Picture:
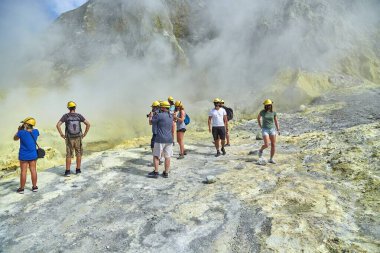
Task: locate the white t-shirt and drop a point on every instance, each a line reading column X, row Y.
column 217, row 117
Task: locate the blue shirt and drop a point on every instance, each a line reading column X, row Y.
column 28, row 149
column 163, row 123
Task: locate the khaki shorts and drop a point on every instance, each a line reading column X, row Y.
column 163, row 149
column 74, row 144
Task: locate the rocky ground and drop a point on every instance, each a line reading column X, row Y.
column 323, row 195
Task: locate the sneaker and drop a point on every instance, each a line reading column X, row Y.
column 34, row 189
column 271, row 161
column 153, row 174
column 260, row 153
column 223, row 151
column 77, row 171
column 180, row 157
column 217, row 154
column 165, row 175
column 20, row 190
column 67, row 173
column 185, row 152
column 227, row 145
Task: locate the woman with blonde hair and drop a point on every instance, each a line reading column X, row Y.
column 179, row 118
column 27, row 152
column 269, row 122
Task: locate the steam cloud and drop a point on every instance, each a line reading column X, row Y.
column 231, row 49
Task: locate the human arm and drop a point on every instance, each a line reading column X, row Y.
column 173, row 130
column 60, row 130
column 259, row 120
column 182, row 118
column 209, row 123
column 277, row 125
column 87, row 128
column 15, row 137
column 225, row 119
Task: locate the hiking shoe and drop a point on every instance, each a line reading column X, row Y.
column 180, row 157
column 271, row 161
column 223, row 151
column 185, row 152
column 227, row 145
column 77, row 171
column 34, row 189
column 260, row 153
column 153, row 174
column 165, row 175
column 217, row 154
column 20, row 190
column 67, row 173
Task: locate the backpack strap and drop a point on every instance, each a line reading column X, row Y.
column 34, row 139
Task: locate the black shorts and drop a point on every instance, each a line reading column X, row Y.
column 181, row 130
column 152, row 141
column 219, row 133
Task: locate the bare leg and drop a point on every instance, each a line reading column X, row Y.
column 23, row 167
column 217, row 144
column 68, row 163
column 272, row 145
column 180, row 141
column 79, row 161
column 33, row 172
column 156, row 162
column 228, row 138
column 223, row 143
column 266, row 142
column 167, row 164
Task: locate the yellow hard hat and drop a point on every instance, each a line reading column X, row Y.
column 71, row 104
column 165, row 104
column 155, row 103
column 222, row 101
column 170, row 98
column 268, row 102
column 217, row 100
column 178, row 103
column 29, row 120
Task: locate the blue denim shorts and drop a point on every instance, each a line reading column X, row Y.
column 266, row 131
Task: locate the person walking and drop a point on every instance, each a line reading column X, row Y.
column 218, row 125
column 27, row 153
column 73, row 136
column 269, row 121
column 179, row 118
column 163, row 145
column 155, row 110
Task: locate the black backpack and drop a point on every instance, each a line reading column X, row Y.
column 230, row 113
column 73, row 126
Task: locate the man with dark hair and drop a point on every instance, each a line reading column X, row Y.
column 73, row 136
column 218, row 120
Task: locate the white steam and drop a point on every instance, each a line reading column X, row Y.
column 115, row 57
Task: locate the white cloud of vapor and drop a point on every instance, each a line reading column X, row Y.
column 121, row 55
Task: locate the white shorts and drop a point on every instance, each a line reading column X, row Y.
column 163, row 149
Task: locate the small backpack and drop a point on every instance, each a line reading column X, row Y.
column 187, row 119
column 73, row 126
column 230, row 113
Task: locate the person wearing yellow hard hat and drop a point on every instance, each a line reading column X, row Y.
column 218, row 125
column 163, row 144
column 230, row 114
column 155, row 110
column 267, row 120
column 171, row 102
column 27, row 153
column 73, row 136
column 179, row 118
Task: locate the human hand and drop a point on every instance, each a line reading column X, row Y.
column 63, row 136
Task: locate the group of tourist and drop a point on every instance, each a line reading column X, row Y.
column 166, row 118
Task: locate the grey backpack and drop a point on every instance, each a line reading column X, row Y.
column 73, row 126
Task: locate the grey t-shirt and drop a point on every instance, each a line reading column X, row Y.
column 163, row 122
